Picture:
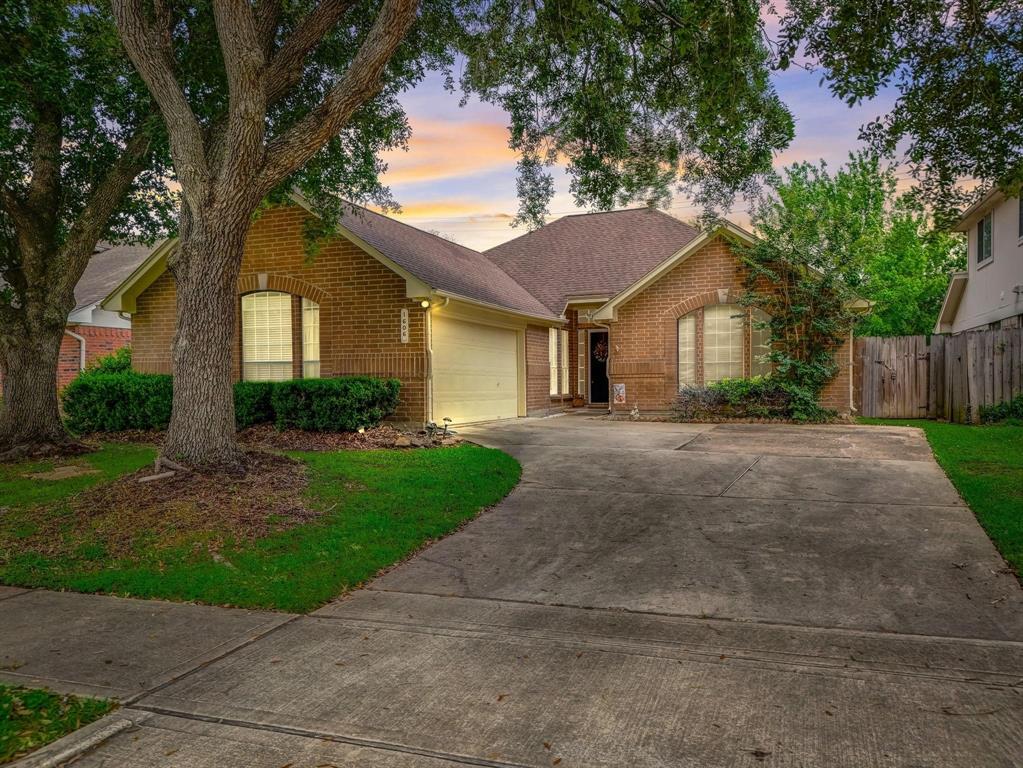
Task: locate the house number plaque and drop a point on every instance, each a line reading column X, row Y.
column 404, row 326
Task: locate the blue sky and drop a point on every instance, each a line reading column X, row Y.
column 458, row 177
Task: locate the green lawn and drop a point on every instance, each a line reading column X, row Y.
column 31, row 718
column 378, row 508
column 985, row 463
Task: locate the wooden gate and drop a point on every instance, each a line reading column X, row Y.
column 940, row 377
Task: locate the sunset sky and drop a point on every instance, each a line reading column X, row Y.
column 458, row 177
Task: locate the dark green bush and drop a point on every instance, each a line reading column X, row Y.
column 118, row 361
column 1013, row 409
column 111, row 402
column 334, row 405
column 757, row 398
column 252, row 403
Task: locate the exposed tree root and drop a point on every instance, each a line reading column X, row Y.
column 44, row 449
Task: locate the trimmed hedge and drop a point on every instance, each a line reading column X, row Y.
column 334, row 405
column 761, row 397
column 96, row 401
column 111, row 402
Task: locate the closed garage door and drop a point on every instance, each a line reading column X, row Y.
column 475, row 371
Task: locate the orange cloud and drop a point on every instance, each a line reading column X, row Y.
column 444, row 150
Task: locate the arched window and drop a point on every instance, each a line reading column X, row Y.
column 723, row 328
column 310, row 339
column 725, row 346
column 266, row 336
column 760, row 344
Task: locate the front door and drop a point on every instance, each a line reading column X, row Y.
column 598, row 366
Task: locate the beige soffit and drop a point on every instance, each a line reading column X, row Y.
column 726, row 229
column 970, row 216
column 123, row 297
column 950, row 306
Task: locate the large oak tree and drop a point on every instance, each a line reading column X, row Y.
column 259, row 96
column 79, row 161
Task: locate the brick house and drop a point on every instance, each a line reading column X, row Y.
column 627, row 302
column 92, row 331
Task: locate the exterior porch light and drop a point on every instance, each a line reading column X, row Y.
column 425, row 303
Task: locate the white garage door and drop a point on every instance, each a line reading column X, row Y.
column 475, row 371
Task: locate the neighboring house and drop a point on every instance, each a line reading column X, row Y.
column 92, row 331
column 589, row 305
column 990, row 293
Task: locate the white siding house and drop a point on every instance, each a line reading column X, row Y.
column 989, row 294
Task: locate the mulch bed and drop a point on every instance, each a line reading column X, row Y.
column 205, row 509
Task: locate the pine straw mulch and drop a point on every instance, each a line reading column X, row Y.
column 203, row 510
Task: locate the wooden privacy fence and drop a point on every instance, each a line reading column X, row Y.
column 938, row 377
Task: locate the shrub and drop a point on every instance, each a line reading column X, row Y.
column 252, row 403
column 334, row 405
column 118, row 361
column 757, row 398
column 110, row 402
column 1012, row 410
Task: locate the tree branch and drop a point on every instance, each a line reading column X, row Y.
column 44, row 187
column 286, row 66
column 290, row 151
column 148, row 43
column 244, row 63
column 268, row 14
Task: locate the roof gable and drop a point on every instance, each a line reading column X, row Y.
column 592, row 254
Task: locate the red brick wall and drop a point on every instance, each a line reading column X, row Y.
column 360, row 302
column 644, row 337
column 538, row 371
column 99, row 342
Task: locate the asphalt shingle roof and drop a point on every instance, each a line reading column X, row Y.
column 107, row 269
column 591, row 254
column 442, row 264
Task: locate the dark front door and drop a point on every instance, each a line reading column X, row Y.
column 598, row 366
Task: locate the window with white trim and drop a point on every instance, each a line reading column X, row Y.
column 563, row 360
column 552, row 358
column 266, row 336
column 760, row 343
column 310, row 339
column 723, row 328
column 687, row 350
column 984, row 249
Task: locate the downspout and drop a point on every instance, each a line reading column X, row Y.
column 81, row 348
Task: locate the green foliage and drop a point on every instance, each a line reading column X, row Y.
column 635, row 97
column 955, row 68
column 761, row 397
column 113, row 402
column 31, row 718
column 118, row 361
column 816, row 231
column 252, row 403
column 334, row 405
column 1011, row 410
column 378, row 508
column 97, row 401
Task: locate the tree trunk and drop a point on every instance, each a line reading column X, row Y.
column 30, row 423
column 205, row 268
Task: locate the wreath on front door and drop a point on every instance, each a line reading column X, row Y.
column 600, row 351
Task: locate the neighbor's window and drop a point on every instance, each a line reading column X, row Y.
column 760, row 344
column 310, row 339
column 687, row 350
column 984, row 252
column 552, row 358
column 723, row 326
column 266, row 336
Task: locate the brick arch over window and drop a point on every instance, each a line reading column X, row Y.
column 283, row 284
column 719, row 296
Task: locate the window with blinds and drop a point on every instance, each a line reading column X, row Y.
column 563, row 359
column 722, row 342
column 552, row 358
column 760, row 344
column 687, row 350
column 310, row 339
column 266, row 336
column 581, row 347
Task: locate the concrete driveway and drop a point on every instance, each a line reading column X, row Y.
column 650, row 595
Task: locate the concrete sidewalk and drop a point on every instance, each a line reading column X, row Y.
column 651, row 595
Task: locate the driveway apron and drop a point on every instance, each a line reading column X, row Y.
column 650, row 595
